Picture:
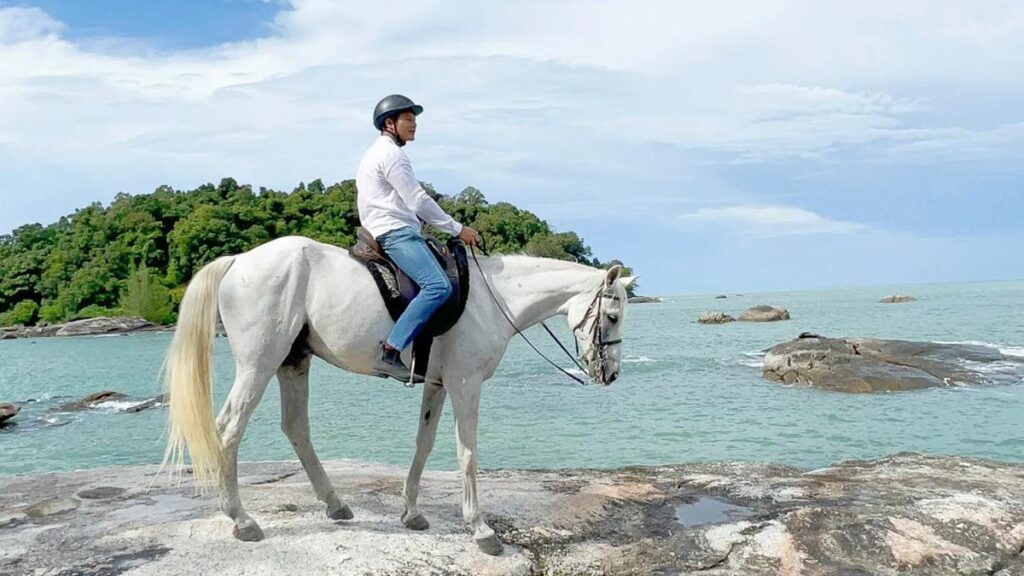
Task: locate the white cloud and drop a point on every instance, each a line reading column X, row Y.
column 522, row 98
column 770, row 221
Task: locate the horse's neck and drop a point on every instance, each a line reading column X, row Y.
column 535, row 289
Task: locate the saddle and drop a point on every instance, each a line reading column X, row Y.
column 398, row 290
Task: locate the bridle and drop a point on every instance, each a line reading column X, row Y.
column 598, row 344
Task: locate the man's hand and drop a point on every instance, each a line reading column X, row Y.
column 469, row 236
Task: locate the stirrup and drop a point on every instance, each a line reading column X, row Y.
column 412, row 375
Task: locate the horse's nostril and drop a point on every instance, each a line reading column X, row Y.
column 614, row 376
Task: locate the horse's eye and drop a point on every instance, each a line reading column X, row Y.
column 613, row 318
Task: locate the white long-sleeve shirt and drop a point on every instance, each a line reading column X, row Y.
column 390, row 197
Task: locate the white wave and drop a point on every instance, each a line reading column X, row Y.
column 1013, row 351
column 752, row 359
column 117, row 405
column 1005, row 349
column 637, row 360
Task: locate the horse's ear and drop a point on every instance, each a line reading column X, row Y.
column 613, row 274
column 627, row 281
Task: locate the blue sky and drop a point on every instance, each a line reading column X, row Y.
column 714, row 146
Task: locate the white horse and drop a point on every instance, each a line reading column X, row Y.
column 293, row 297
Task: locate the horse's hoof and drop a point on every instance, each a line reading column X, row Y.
column 248, row 533
column 416, row 522
column 490, row 545
column 340, row 512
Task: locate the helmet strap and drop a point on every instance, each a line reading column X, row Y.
column 393, row 133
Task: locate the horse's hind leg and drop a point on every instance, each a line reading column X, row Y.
column 294, row 379
column 430, row 413
column 245, row 395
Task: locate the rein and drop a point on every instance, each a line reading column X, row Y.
column 518, row 331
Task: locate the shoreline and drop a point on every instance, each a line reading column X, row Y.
column 99, row 326
column 899, row 514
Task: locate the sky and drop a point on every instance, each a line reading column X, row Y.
column 713, row 146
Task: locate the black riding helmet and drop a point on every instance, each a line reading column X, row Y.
column 393, row 104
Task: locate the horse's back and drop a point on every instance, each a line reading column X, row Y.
column 295, row 281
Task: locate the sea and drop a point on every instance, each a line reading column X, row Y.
column 687, row 393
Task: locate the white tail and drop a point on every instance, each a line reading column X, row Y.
column 188, row 378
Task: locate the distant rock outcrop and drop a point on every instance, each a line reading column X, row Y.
column 644, row 300
column 897, row 299
column 90, row 401
column 764, row 314
column 8, row 411
column 714, row 318
column 86, row 327
column 103, row 325
column 864, row 365
column 721, row 297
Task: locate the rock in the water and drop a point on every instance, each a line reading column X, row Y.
column 905, row 514
column 864, row 365
column 897, row 299
column 764, row 314
column 8, row 411
column 714, row 318
column 103, row 325
column 8, row 335
column 721, row 297
column 644, row 300
column 90, row 401
column 156, row 401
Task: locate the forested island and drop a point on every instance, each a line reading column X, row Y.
column 135, row 256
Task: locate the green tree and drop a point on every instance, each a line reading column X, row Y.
column 136, row 255
column 144, row 296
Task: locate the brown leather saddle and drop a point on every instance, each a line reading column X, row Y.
column 398, row 290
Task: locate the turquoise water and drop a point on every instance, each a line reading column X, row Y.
column 687, row 393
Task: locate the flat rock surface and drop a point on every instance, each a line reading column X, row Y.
column 905, row 514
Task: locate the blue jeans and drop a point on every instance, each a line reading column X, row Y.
column 410, row 252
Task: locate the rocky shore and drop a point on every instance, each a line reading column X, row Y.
column 86, row 327
column 904, row 514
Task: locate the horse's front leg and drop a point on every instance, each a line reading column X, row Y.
column 430, row 413
column 466, row 404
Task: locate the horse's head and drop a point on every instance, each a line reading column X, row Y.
column 596, row 318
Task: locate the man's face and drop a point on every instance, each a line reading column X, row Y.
column 405, row 126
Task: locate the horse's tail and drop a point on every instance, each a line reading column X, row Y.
column 188, row 378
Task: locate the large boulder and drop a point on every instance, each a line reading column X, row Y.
column 8, row 411
column 897, row 299
column 103, row 325
column 866, row 365
column 714, row 318
column 90, row 401
column 764, row 314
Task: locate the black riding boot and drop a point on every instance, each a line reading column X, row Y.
column 391, row 365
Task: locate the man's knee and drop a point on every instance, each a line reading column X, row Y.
column 440, row 289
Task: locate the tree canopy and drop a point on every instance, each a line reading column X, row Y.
column 136, row 255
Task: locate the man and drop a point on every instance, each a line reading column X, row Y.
column 391, row 204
